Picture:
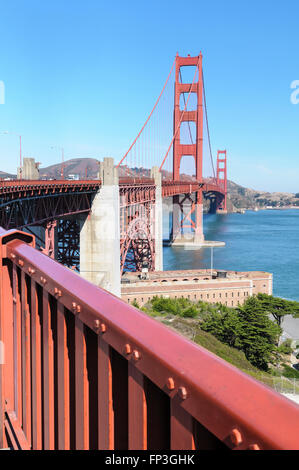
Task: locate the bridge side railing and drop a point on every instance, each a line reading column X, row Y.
column 84, row 370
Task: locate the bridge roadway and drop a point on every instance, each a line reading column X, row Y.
column 26, row 202
column 16, row 197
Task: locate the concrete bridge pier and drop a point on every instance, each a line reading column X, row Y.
column 29, row 170
column 158, row 219
column 183, row 210
column 100, row 233
column 198, row 233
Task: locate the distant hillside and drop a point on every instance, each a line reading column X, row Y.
column 83, row 167
column 4, row 175
column 88, row 168
column 246, row 198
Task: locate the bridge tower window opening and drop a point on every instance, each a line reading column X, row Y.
column 192, row 102
column 187, row 167
column 187, row 74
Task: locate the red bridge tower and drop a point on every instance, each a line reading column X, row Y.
column 181, row 218
column 222, row 178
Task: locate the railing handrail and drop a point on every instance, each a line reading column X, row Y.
column 216, row 394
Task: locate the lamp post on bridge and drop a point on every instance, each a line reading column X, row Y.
column 20, row 139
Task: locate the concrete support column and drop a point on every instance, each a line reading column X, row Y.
column 29, row 170
column 176, row 219
column 158, row 221
column 198, row 235
column 99, row 234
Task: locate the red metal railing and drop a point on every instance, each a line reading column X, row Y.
column 83, row 370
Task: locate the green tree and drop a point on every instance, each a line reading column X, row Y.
column 278, row 307
column 247, row 328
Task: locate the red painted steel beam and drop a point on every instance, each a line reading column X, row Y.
column 238, row 410
column 169, row 187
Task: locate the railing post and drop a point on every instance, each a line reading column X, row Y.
column 8, row 347
column 5, row 301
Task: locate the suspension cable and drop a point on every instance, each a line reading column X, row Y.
column 140, row 132
column 207, row 123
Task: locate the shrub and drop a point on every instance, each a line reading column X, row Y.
column 190, row 312
column 285, row 347
column 290, row 372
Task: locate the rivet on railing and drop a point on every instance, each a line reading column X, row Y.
column 31, row 270
column 57, row 292
column 103, row 328
column 254, row 447
column 183, row 393
column 74, row 306
column 128, row 349
column 13, row 256
column 236, row 437
column 43, row 280
column 97, row 324
column 170, row 383
column 136, row 355
column 78, row 308
column 21, row 262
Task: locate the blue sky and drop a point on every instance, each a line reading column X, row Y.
column 84, row 75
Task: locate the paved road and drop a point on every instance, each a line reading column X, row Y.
column 290, row 327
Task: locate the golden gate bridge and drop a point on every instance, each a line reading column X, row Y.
column 84, row 370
